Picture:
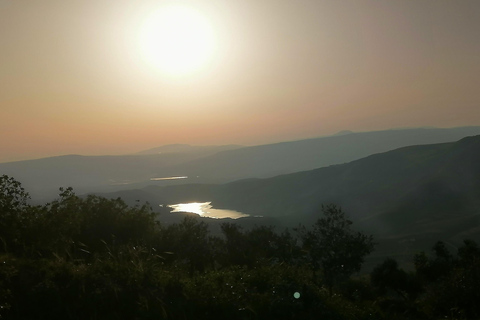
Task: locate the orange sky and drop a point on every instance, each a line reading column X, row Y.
column 72, row 79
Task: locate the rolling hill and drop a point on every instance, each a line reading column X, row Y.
column 294, row 156
column 408, row 198
column 212, row 164
column 423, row 190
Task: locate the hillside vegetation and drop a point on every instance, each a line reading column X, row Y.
column 98, row 258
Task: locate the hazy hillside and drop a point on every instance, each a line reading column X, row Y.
column 43, row 177
column 212, row 164
column 294, row 156
column 420, row 189
column 198, row 151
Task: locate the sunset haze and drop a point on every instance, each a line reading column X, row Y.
column 73, row 78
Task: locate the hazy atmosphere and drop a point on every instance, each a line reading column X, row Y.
column 240, row 159
column 94, row 77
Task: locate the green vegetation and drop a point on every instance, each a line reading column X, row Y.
column 96, row 258
column 334, row 248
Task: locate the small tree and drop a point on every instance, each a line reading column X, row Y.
column 13, row 212
column 236, row 245
column 334, row 248
column 13, row 196
column 451, row 282
column 189, row 242
column 388, row 276
column 431, row 270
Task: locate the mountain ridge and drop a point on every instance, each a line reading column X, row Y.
column 413, row 183
column 43, row 177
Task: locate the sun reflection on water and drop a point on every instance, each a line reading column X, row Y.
column 205, row 209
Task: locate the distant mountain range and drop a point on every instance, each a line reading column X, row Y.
column 408, row 187
column 408, row 198
column 213, row 164
column 294, row 156
column 396, row 191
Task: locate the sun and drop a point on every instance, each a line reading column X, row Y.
column 177, row 40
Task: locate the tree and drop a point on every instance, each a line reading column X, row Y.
column 13, row 207
column 236, row 245
column 74, row 225
column 187, row 243
column 13, row 196
column 333, row 247
column 388, row 276
column 469, row 253
column 451, row 282
column 431, row 270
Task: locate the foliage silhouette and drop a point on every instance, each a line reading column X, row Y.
column 333, row 247
column 97, row 258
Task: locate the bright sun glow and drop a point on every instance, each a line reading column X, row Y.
column 178, row 40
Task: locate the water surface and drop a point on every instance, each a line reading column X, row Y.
column 205, row 209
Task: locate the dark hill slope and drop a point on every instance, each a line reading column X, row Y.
column 294, row 156
column 412, row 189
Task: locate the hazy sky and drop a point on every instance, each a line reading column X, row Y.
column 74, row 77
